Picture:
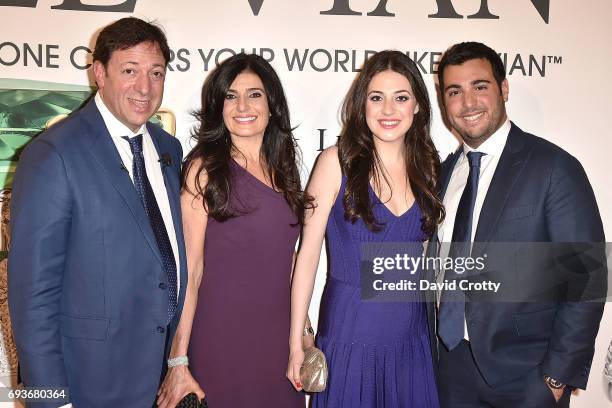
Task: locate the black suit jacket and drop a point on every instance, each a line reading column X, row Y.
column 539, row 194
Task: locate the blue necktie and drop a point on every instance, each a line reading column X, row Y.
column 145, row 192
column 452, row 305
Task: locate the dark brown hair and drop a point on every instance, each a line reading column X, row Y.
column 357, row 154
column 127, row 33
column 214, row 148
column 466, row 51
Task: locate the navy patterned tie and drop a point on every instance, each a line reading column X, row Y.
column 452, row 305
column 145, row 192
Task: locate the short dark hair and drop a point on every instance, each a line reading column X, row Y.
column 466, row 51
column 127, row 33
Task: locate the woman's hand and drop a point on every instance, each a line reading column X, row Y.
column 178, row 383
column 296, row 358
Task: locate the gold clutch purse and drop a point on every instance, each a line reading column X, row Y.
column 313, row 374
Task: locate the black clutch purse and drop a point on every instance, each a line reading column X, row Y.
column 191, row 401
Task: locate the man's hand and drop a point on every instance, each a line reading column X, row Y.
column 557, row 392
column 178, row 383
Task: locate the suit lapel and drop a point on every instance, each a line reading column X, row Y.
column 172, row 190
column 447, row 169
column 171, row 185
column 445, row 174
column 509, row 168
column 106, row 156
column 433, row 248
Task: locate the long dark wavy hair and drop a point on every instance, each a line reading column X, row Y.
column 214, row 148
column 358, row 157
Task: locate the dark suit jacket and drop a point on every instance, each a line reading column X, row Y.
column 539, row 194
column 87, row 289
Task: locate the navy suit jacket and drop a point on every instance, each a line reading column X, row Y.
column 87, row 290
column 539, row 193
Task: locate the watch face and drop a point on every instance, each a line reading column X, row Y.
column 552, row 383
column 555, row 384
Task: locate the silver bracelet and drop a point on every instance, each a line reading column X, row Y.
column 178, row 361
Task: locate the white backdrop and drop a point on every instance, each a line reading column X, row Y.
column 558, row 65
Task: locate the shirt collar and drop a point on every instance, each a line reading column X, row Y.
column 494, row 145
column 116, row 129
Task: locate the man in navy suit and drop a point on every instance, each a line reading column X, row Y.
column 97, row 269
column 506, row 186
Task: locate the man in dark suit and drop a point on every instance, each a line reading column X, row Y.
column 502, row 185
column 97, row 269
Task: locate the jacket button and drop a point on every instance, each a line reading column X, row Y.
column 161, row 329
column 162, row 286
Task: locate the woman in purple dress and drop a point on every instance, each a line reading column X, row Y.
column 242, row 207
column 378, row 185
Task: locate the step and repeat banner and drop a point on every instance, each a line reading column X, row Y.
column 557, row 56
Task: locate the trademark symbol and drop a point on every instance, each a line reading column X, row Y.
column 555, row 60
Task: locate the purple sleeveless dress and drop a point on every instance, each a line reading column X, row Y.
column 240, row 337
column 378, row 353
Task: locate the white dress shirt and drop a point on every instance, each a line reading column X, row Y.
column 492, row 149
column 154, row 172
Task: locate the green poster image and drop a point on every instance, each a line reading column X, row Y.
column 26, row 109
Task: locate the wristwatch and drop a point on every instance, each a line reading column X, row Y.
column 552, row 383
column 308, row 331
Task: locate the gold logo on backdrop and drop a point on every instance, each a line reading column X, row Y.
column 166, row 119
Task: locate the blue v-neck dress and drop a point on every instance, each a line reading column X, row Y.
column 378, row 352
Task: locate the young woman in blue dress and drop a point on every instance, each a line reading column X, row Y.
column 377, row 185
